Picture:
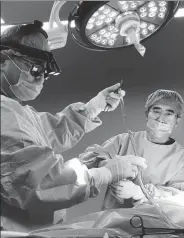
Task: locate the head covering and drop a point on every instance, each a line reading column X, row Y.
column 166, row 97
column 31, row 35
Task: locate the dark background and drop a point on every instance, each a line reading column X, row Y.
column 85, row 73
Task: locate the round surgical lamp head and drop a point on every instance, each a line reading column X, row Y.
column 111, row 25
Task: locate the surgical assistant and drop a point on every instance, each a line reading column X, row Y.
column 36, row 183
column 164, row 176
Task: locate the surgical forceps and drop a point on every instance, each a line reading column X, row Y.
column 137, row 222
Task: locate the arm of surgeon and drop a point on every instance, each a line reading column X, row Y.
column 33, row 174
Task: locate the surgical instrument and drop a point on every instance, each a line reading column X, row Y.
column 137, row 222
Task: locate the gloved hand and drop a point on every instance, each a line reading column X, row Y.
column 109, row 96
column 112, row 96
column 123, row 167
column 119, row 168
column 127, row 189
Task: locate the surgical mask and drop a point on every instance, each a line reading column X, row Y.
column 25, row 90
column 159, row 129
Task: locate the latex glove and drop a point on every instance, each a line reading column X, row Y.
column 119, row 168
column 126, row 189
column 109, row 96
column 112, row 96
column 123, row 167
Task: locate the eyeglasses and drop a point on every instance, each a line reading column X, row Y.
column 45, row 59
column 37, row 68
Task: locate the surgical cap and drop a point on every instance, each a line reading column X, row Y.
column 31, row 35
column 166, row 97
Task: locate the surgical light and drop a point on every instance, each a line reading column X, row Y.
column 91, row 19
column 113, row 17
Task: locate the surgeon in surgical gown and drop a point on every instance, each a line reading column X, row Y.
column 36, row 184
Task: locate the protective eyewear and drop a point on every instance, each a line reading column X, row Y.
column 37, row 68
column 44, row 60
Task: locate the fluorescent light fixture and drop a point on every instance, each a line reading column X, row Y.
column 45, row 25
column 2, row 21
column 179, row 13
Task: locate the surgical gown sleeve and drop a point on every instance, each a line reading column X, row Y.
column 66, row 128
column 97, row 156
column 33, row 177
